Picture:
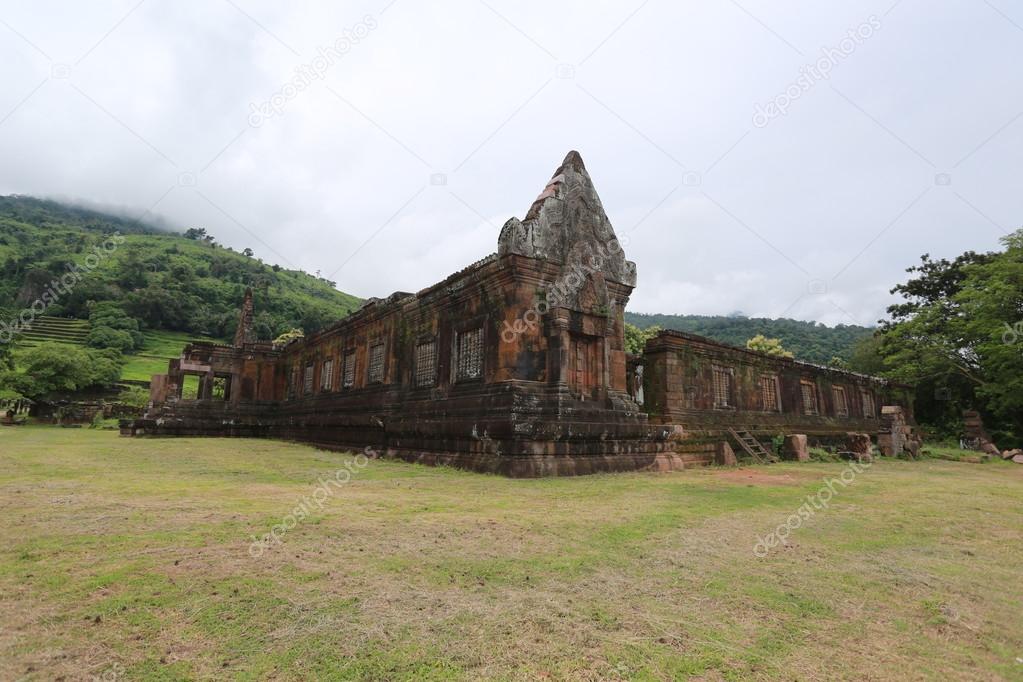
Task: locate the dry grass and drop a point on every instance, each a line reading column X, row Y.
column 131, row 558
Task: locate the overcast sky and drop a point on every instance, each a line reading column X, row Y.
column 398, row 137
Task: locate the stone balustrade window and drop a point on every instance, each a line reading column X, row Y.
column 426, row 363
column 307, row 380
column 722, row 386
column 375, row 373
column 470, row 354
column 327, row 375
column 808, row 390
column 869, row 408
column 348, row 370
column 769, row 393
column 841, row 404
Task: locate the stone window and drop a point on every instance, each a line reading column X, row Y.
column 327, row 375
column 470, row 354
column 808, row 389
column 307, row 379
column 221, row 387
column 375, row 372
column 190, row 384
column 722, row 386
column 296, row 379
column 869, row 410
column 841, row 404
column 690, row 397
column 426, row 363
column 769, row 393
column 348, row 370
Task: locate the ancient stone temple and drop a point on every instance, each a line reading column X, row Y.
column 514, row 365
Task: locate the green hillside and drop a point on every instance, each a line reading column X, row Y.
column 809, row 341
column 158, row 346
column 165, row 280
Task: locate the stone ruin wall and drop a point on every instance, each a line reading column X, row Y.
column 682, row 386
column 554, row 393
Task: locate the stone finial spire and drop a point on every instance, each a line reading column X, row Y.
column 567, row 225
column 245, row 332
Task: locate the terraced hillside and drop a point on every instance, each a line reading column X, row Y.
column 159, row 346
column 60, row 329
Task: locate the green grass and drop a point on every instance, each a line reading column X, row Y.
column 955, row 454
column 131, row 558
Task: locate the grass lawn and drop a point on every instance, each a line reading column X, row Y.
column 130, row 558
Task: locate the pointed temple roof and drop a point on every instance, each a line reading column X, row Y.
column 567, row 224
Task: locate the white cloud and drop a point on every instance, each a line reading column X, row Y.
column 473, row 91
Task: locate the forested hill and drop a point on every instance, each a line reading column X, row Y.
column 164, row 279
column 810, row 341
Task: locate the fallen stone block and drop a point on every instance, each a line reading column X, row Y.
column 990, row 448
column 724, row 455
column 795, row 449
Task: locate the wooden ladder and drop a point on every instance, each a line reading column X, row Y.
column 751, row 446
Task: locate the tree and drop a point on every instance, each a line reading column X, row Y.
column 196, row 233
column 773, row 347
column 111, row 327
column 248, row 253
column 289, row 336
column 636, row 338
column 957, row 337
column 60, row 368
column 135, row 396
column 866, row 356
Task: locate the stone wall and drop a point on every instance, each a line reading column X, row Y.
column 707, row 387
column 514, row 365
column 546, row 394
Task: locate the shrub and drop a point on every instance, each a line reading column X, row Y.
column 106, row 337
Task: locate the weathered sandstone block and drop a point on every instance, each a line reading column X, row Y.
column 794, row 448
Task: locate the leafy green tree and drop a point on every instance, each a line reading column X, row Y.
column 636, row 338
column 289, row 336
column 773, row 347
column 838, row 363
column 51, row 368
column 957, row 336
column 135, row 396
column 866, row 356
column 111, row 327
column 105, row 337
